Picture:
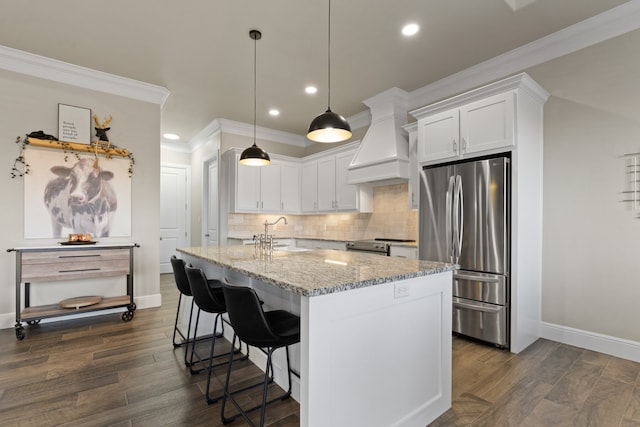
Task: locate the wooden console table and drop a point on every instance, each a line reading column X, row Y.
column 60, row 263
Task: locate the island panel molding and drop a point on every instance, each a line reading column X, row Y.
column 348, row 302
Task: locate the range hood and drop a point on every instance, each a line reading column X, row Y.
column 383, row 154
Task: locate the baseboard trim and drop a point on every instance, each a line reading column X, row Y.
column 8, row 320
column 618, row 347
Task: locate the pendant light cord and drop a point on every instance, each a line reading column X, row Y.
column 329, row 59
column 255, row 86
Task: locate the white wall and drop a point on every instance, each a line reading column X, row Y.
column 29, row 104
column 591, row 240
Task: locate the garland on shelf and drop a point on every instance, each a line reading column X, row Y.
column 106, row 148
column 20, row 166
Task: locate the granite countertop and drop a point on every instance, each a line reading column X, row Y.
column 317, row 272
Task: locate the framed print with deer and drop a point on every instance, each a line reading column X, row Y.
column 74, row 124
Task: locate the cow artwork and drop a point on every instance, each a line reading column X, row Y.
column 81, row 198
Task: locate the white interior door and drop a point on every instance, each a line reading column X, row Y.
column 211, row 215
column 174, row 212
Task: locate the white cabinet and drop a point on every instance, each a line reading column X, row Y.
column 247, row 192
column 289, row 188
column 414, row 167
column 310, row 186
column 476, row 127
column 346, row 194
column 314, row 184
column 327, row 184
column 321, row 244
column 273, row 188
column 332, row 191
column 410, row 252
column 258, row 188
column 269, row 187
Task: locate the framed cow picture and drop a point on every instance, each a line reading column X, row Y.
column 77, row 196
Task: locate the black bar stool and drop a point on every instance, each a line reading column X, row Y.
column 268, row 331
column 182, row 283
column 209, row 298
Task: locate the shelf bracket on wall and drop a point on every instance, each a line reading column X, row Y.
column 632, row 173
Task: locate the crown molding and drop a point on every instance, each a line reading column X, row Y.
column 612, row 23
column 75, row 75
column 246, row 129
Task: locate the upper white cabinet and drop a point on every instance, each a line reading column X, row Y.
column 346, row 194
column 273, row 188
column 329, row 184
column 414, row 168
column 310, row 186
column 289, row 187
column 480, row 126
column 314, row 184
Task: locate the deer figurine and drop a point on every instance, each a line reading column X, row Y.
column 101, row 129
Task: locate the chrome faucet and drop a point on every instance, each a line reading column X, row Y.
column 267, row 224
column 264, row 242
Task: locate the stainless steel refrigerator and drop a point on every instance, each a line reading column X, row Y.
column 464, row 219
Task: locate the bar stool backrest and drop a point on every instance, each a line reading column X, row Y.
column 247, row 317
column 207, row 299
column 180, row 276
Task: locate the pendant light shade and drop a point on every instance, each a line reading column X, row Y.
column 254, row 155
column 329, row 126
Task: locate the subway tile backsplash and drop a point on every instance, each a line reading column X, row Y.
column 391, row 218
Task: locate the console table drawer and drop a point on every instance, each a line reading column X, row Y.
column 74, row 264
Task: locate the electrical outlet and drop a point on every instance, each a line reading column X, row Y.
column 401, row 290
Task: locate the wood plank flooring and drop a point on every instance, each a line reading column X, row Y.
column 105, row 372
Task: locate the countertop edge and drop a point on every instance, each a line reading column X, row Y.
column 340, row 287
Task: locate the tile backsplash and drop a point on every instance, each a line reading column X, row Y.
column 391, row 218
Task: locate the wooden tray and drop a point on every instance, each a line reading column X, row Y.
column 79, row 302
column 90, row 242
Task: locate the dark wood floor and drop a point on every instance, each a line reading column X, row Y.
column 104, row 372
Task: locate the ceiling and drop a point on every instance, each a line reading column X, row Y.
column 201, row 50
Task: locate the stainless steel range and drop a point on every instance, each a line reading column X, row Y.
column 379, row 245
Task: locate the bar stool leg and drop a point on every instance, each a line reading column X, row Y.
column 175, row 325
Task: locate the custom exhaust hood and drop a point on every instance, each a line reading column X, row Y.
column 383, row 154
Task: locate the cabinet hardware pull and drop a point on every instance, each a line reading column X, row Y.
column 455, row 146
column 78, row 270
column 78, row 256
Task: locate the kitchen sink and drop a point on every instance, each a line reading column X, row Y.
column 290, row 249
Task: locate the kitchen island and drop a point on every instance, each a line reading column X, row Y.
column 375, row 345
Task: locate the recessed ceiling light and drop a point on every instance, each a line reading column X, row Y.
column 274, row 112
column 311, row 90
column 171, row 136
column 410, row 29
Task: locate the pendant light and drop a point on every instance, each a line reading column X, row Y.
column 329, row 126
column 254, row 155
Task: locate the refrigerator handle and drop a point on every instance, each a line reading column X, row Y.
column 458, row 213
column 449, row 219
